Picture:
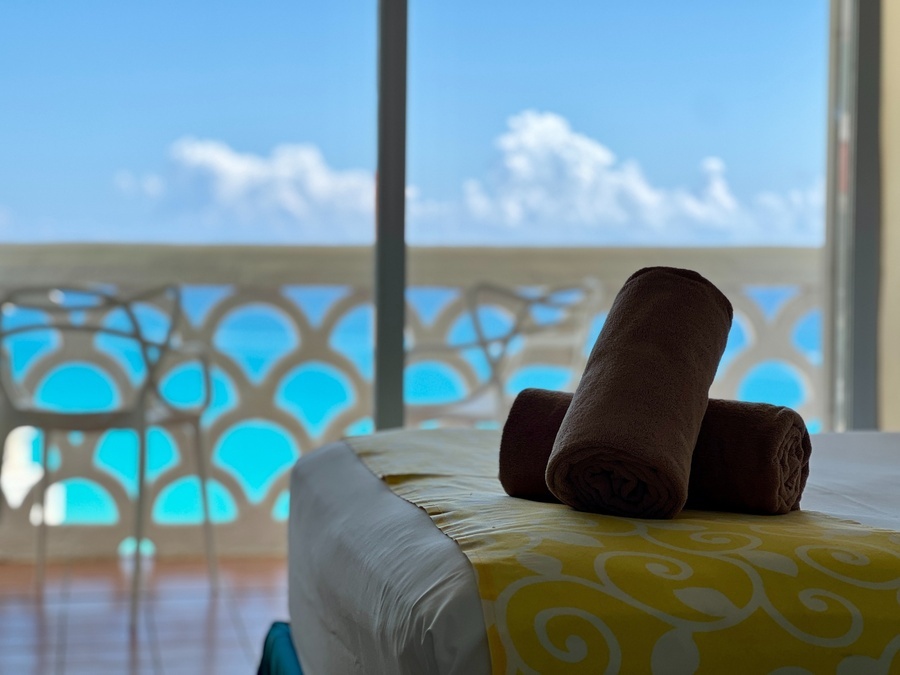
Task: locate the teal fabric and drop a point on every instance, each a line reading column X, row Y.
column 279, row 656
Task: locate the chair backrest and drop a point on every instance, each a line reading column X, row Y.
column 554, row 327
column 78, row 349
column 547, row 326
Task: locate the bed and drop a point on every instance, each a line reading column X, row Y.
column 406, row 557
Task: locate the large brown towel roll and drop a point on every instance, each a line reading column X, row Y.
column 625, row 444
column 749, row 457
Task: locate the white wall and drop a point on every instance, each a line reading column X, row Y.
column 889, row 338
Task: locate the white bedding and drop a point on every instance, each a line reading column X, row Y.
column 856, row 475
column 375, row 587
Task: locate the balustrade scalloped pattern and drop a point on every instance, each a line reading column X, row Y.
column 292, row 370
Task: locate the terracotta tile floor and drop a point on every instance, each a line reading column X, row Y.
column 80, row 625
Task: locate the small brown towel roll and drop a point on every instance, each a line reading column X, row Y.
column 749, row 457
column 527, row 441
column 625, row 445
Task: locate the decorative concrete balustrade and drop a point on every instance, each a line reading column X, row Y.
column 289, row 334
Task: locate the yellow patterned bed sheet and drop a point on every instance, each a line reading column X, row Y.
column 570, row 592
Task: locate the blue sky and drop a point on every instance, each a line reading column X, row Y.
column 689, row 122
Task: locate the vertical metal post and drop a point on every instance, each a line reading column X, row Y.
column 390, row 215
column 854, row 214
column 865, row 263
column 834, row 282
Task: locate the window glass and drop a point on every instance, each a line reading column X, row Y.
column 567, row 145
column 241, row 136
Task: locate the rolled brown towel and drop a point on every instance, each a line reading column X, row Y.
column 528, row 435
column 749, row 457
column 624, row 447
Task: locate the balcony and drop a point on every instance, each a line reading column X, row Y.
column 290, row 334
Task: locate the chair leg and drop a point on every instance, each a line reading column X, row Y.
column 5, row 430
column 139, row 525
column 42, row 527
column 209, row 535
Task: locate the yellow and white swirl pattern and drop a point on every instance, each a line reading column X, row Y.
column 571, row 592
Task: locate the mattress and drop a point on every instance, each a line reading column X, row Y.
column 855, row 475
column 373, row 585
column 376, row 587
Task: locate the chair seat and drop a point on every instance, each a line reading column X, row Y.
column 76, row 421
column 156, row 414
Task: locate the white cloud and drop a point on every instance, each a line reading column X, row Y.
column 553, row 182
column 153, row 185
column 418, row 207
column 552, row 174
column 551, row 185
column 148, row 185
column 796, row 216
column 212, row 192
column 293, row 185
column 124, row 181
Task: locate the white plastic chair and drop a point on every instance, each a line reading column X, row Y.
column 77, row 316
column 527, row 340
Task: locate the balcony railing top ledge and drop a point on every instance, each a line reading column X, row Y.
column 139, row 264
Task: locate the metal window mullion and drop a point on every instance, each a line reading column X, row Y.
column 390, row 224
column 866, row 222
column 854, row 214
